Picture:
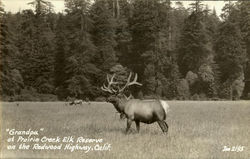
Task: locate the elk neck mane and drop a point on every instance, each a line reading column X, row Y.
column 118, row 103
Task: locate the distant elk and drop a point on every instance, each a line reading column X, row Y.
column 76, row 102
column 79, row 102
column 146, row 111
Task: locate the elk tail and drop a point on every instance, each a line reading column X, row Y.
column 165, row 106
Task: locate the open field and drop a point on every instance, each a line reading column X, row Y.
column 196, row 130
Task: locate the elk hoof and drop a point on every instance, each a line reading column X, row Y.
column 127, row 132
column 122, row 116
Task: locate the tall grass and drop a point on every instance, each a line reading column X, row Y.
column 196, row 130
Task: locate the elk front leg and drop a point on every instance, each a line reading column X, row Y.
column 137, row 126
column 129, row 122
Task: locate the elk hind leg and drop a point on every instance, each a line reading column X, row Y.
column 163, row 126
column 166, row 126
column 137, row 125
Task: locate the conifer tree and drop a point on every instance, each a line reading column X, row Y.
column 11, row 80
column 194, row 47
column 81, row 70
column 103, row 33
column 150, row 56
column 230, row 50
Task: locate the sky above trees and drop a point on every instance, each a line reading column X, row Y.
column 16, row 5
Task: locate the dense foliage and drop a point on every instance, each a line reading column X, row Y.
column 178, row 53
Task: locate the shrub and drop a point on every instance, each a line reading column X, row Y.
column 46, row 88
column 191, row 77
column 248, row 96
column 30, row 94
column 238, row 87
column 100, row 99
column 183, row 89
column 206, row 73
column 27, row 94
column 225, row 91
column 195, row 97
column 47, row 97
column 150, row 97
column 202, row 96
column 232, row 90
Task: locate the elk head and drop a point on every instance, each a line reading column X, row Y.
column 118, row 97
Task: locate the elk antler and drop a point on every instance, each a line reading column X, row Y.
column 110, row 82
column 129, row 97
column 129, row 83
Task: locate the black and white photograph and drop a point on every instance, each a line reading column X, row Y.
column 124, row 79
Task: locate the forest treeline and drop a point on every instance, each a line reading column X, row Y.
column 177, row 52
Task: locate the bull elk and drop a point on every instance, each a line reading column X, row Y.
column 146, row 111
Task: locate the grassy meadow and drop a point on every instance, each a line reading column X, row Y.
column 196, row 130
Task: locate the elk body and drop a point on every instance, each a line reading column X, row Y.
column 76, row 102
column 145, row 111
